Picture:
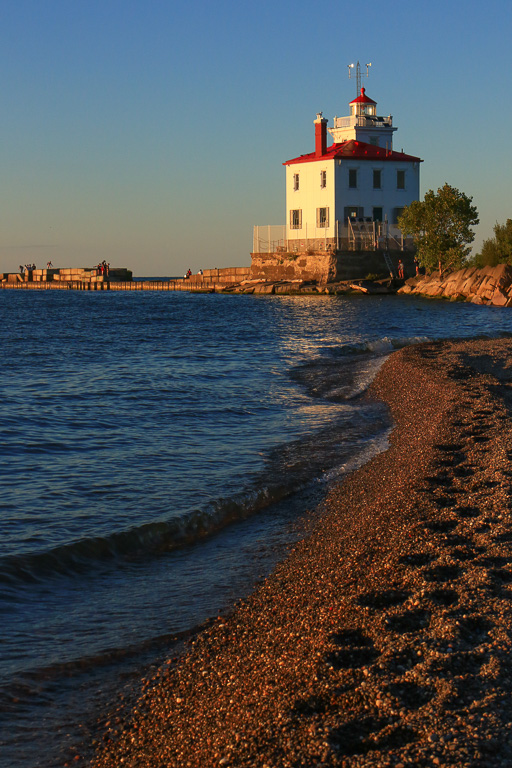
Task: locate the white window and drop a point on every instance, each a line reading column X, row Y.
column 296, row 219
column 295, row 181
column 322, row 217
column 323, row 179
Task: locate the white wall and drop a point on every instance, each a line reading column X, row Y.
column 309, row 197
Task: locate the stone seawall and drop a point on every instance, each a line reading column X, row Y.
column 489, row 285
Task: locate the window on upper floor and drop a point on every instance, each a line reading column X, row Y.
column 352, row 178
column 400, row 179
column 377, row 179
column 295, row 181
column 296, row 219
column 322, row 217
column 374, row 141
column 323, row 179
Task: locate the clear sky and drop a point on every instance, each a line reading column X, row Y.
column 152, row 134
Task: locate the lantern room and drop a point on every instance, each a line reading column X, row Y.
column 363, row 105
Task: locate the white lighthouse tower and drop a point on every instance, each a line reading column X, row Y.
column 363, row 124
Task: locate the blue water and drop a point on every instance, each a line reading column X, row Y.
column 152, row 446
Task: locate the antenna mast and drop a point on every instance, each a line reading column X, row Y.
column 358, row 74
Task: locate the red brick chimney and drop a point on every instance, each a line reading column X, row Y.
column 320, row 135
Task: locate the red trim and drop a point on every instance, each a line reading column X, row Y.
column 363, row 99
column 356, row 150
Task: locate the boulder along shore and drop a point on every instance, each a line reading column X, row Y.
column 384, row 638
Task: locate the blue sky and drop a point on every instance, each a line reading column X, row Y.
column 152, row 134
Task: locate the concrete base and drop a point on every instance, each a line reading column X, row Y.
column 329, row 267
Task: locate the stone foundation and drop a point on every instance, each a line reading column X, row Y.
column 328, row 267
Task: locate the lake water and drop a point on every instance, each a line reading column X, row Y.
column 157, row 450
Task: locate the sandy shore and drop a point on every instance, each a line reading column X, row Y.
column 384, row 638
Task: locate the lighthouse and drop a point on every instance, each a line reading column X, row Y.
column 349, row 195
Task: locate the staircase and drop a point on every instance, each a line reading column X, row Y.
column 389, row 264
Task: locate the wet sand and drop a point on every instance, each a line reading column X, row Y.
column 384, row 638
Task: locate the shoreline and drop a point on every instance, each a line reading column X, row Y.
column 383, row 638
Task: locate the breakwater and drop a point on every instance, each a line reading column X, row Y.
column 120, row 279
column 226, row 280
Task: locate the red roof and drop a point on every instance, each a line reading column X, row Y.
column 363, row 98
column 357, row 150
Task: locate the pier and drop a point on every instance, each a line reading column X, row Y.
column 120, row 279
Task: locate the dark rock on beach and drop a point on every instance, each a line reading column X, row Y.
column 384, row 638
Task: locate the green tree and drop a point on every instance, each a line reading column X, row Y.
column 441, row 228
column 497, row 249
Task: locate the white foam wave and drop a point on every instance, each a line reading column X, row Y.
column 361, row 457
column 387, row 344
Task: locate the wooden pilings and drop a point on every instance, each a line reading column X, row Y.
column 207, row 285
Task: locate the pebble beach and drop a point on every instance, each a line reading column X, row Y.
column 384, row 638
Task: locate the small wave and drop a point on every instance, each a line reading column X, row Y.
column 28, row 682
column 289, row 468
column 386, row 345
column 345, row 372
column 149, row 539
column 380, row 346
column 360, row 458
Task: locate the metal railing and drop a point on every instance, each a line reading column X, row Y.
column 269, row 238
column 363, row 121
column 349, row 235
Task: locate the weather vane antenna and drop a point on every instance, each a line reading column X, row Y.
column 358, row 74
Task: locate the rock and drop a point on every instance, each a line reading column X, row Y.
column 489, row 285
column 267, row 288
column 499, row 299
